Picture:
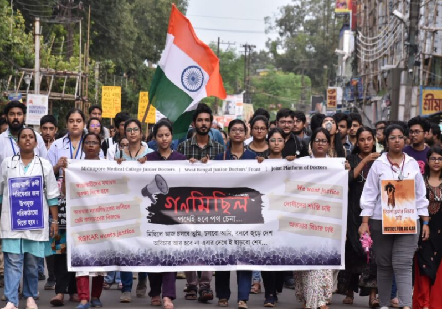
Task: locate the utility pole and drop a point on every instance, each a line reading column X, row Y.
column 215, row 103
column 248, row 47
column 87, row 55
column 37, row 55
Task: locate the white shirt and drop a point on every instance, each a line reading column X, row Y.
column 381, row 170
column 112, row 149
column 12, row 167
column 62, row 148
column 9, row 147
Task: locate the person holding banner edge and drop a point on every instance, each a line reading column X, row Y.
column 91, row 149
column 393, row 252
column 25, row 243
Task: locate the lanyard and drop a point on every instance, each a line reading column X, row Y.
column 78, row 149
column 12, row 146
column 401, row 169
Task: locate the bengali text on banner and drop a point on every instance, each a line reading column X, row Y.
column 223, row 215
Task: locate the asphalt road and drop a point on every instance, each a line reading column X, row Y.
column 110, row 299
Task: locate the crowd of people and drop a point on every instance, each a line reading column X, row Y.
column 399, row 271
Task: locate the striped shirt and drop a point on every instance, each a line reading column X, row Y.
column 191, row 149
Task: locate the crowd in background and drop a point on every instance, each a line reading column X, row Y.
column 393, row 150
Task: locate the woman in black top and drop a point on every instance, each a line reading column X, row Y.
column 357, row 273
column 259, row 129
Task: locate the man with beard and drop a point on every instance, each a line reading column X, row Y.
column 201, row 146
column 294, row 146
column 418, row 127
column 15, row 116
column 356, row 123
column 299, row 125
column 343, row 123
column 48, row 127
column 434, row 136
column 380, row 137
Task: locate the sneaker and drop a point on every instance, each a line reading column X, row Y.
column 42, row 276
column 95, row 302
column 242, row 304
column 141, row 288
column 125, row 297
column 269, row 302
column 50, row 284
column 83, row 306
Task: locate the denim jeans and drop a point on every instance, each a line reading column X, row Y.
column 394, row 289
column 256, row 277
column 17, row 265
column 127, row 281
column 112, row 276
column 243, row 284
column 41, row 265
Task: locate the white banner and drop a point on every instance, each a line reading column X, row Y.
column 224, row 215
column 37, row 107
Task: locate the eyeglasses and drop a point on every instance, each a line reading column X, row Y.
column 129, row 130
column 415, row 132
column 123, row 145
column 259, row 129
column 276, row 140
column 321, row 141
column 236, row 130
column 437, row 159
column 95, row 125
column 91, row 143
column 283, row 122
column 393, row 138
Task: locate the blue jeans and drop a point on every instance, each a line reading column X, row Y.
column 127, row 281
column 17, row 265
column 243, row 284
column 256, row 277
column 112, row 276
column 394, row 289
column 41, row 265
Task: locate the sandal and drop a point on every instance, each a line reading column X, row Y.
column 191, row 293
column 348, row 300
column 255, row 288
column 223, row 302
column 155, row 301
column 373, row 302
column 167, row 303
column 205, row 295
column 107, row 286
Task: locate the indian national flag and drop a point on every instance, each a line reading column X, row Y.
column 188, row 71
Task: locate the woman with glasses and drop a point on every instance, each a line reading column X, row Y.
column 274, row 280
column 428, row 270
column 259, row 129
column 137, row 149
column 393, row 252
column 314, row 287
column 336, row 149
column 91, row 149
column 357, row 273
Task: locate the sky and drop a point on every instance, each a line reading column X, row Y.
column 244, row 20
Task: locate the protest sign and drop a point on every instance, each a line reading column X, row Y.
column 26, row 202
column 224, row 215
column 111, row 101
column 37, row 106
column 398, row 206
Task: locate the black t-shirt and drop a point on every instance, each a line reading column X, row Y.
column 295, row 147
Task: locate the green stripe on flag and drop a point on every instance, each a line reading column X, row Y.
column 168, row 99
column 182, row 125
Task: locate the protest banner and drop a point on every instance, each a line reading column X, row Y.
column 111, row 101
column 224, row 215
column 37, row 106
column 398, row 206
column 143, row 104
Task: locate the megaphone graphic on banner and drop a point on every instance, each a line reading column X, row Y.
column 158, row 185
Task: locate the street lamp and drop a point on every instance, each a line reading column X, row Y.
column 27, row 79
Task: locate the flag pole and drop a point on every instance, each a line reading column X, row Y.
column 146, row 111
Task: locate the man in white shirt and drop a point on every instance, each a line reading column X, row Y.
column 15, row 116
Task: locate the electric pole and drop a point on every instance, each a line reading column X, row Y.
column 248, row 47
column 37, row 55
column 215, row 103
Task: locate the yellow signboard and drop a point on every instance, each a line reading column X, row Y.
column 143, row 103
column 111, row 101
column 331, row 99
column 431, row 100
